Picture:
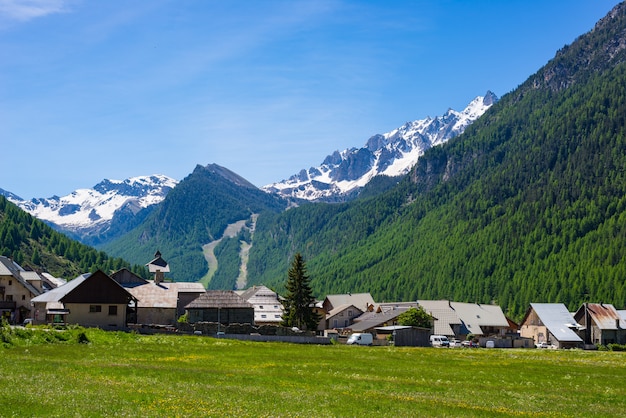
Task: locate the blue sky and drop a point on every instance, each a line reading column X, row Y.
column 114, row 89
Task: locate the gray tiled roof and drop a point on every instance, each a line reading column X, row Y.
column 218, row 299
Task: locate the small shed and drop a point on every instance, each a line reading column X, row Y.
column 405, row 336
column 222, row 306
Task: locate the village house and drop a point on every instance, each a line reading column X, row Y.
column 220, row 306
column 553, row 324
column 16, row 292
column 157, row 302
column 342, row 316
column 90, row 300
column 268, row 309
column 602, row 324
column 334, row 307
column 362, row 301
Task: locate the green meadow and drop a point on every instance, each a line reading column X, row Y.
column 50, row 373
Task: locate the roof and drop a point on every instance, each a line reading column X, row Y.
column 371, row 320
column 218, row 299
column 558, row 319
column 158, row 264
column 98, row 286
column 56, row 281
column 476, row 315
column 342, row 308
column 259, row 293
column 604, row 315
column 360, row 300
column 58, row 293
column 161, row 295
column 126, row 277
column 445, row 316
column 393, row 328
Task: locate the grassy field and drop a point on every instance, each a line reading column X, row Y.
column 118, row 374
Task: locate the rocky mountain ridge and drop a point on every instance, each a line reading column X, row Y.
column 342, row 174
column 87, row 212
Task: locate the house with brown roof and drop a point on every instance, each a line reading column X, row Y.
column 602, row 324
column 90, row 300
column 160, row 303
column 342, row 316
column 221, row 306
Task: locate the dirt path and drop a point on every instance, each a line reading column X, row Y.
column 209, row 253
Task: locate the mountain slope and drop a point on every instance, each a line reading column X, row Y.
column 196, row 212
column 98, row 214
column 342, row 174
column 528, row 204
column 36, row 246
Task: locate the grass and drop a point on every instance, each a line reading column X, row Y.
column 119, row 374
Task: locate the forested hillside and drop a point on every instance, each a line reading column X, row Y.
column 33, row 244
column 194, row 213
column 528, row 205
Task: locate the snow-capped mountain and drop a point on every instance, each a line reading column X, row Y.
column 86, row 212
column 392, row 154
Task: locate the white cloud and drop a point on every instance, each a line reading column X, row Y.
column 24, row 10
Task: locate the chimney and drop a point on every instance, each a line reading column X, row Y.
column 158, row 277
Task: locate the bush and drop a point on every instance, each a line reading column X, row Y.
column 616, row 347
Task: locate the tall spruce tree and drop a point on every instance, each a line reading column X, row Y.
column 299, row 300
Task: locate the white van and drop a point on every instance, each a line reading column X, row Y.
column 439, row 341
column 360, row 339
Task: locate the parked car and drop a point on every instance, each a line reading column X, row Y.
column 364, row 338
column 469, row 343
column 455, row 343
column 439, row 341
column 27, row 321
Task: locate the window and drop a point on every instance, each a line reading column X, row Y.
column 23, row 297
column 350, row 312
column 95, row 308
column 10, row 282
column 112, row 310
column 263, row 316
column 261, row 307
column 9, row 298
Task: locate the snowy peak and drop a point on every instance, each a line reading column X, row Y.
column 342, row 174
column 86, row 211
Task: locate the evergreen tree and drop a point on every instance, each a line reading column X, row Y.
column 299, row 301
